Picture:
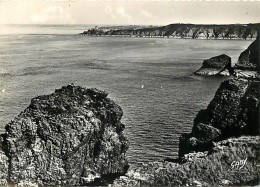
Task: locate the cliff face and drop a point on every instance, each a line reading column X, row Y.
column 218, row 65
column 70, row 137
column 248, row 59
column 237, row 31
column 232, row 112
column 248, row 63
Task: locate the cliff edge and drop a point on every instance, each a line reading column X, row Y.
column 71, row 137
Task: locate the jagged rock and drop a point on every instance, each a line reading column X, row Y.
column 232, row 161
column 70, row 137
column 248, row 59
column 218, row 65
column 248, row 62
column 232, row 112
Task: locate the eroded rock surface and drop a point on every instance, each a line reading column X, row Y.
column 70, row 137
column 248, row 63
column 232, row 112
column 218, row 65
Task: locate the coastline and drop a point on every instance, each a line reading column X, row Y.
column 165, row 37
column 190, row 31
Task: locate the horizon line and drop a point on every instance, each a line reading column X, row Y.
column 107, row 24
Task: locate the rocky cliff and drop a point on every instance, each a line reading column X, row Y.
column 237, row 31
column 248, row 65
column 218, row 65
column 232, row 112
column 71, row 137
column 222, row 149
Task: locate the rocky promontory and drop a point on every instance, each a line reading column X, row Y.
column 232, row 112
column 218, row 65
column 234, row 31
column 71, row 137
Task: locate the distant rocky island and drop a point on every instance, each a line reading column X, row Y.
column 192, row 31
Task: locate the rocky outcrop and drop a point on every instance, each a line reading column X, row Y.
column 222, row 149
column 248, row 59
column 71, row 137
column 237, row 31
column 233, row 112
column 218, row 65
column 248, row 63
column 229, row 162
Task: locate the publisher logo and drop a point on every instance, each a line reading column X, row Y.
column 237, row 165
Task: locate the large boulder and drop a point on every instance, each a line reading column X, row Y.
column 232, row 112
column 70, row 137
column 247, row 65
column 218, row 65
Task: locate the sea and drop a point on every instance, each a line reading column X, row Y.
column 150, row 78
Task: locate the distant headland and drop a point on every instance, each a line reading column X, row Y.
column 179, row 30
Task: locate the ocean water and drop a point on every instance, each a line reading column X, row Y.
column 150, row 78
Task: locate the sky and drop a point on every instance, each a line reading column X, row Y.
column 133, row 12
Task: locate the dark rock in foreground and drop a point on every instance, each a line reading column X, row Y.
column 248, row 63
column 70, row 137
column 218, row 65
column 232, row 112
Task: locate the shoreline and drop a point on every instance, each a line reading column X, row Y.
column 165, row 37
